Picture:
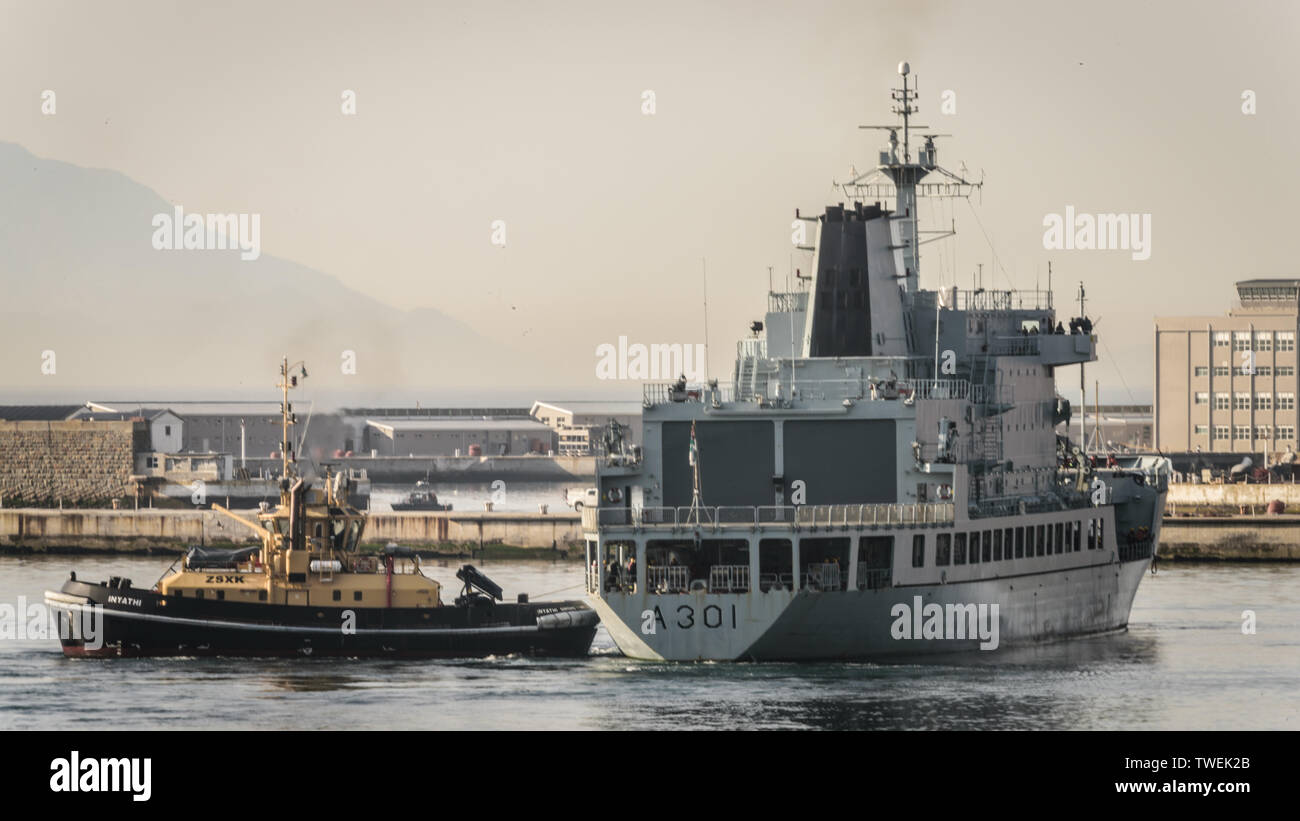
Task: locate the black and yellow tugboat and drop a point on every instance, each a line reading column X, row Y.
column 308, row 590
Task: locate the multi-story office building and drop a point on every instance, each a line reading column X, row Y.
column 1227, row 384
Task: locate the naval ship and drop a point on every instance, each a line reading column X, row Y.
column 882, row 477
column 307, row 589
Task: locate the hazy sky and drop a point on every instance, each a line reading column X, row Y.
column 531, row 113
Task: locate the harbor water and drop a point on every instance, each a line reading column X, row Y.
column 1184, row 663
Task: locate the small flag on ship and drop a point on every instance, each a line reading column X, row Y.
column 695, row 448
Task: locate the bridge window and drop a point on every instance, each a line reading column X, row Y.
column 988, row 545
column 975, row 547
column 775, row 564
column 823, row 563
column 918, row 550
column 875, row 562
column 1020, row 543
column 959, row 548
column 1060, row 531
column 997, row 545
column 943, row 549
column 1040, row 542
column 619, row 565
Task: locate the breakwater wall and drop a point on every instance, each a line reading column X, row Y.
column 172, row 531
column 78, row 463
column 1231, row 538
column 1215, row 496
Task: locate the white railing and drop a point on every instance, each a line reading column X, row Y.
column 756, row 348
column 787, row 301
column 874, row 515
column 822, row 577
column 669, row 579
column 729, row 578
column 946, row 389
column 664, row 393
column 873, row 578
column 713, row 518
column 984, row 300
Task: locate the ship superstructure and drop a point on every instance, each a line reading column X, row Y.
column 882, row 477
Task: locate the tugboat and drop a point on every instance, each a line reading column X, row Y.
column 421, row 497
column 307, row 590
column 880, row 480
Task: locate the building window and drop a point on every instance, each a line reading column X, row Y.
column 1241, row 341
column 1241, row 431
column 1243, row 370
column 1263, row 340
column 1241, row 401
column 1286, row 340
column 1285, row 370
column 1202, row 430
column 1221, row 370
column 1222, row 339
column 1286, row 401
column 1222, row 432
column 1263, row 432
column 1222, row 401
column 1202, row 399
column 1202, row 370
column 1263, row 401
column 1285, row 432
column 1263, row 370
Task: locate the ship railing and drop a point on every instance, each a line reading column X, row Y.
column 665, row 393
column 729, row 578
column 751, row 348
column 873, row 578
column 781, row 302
column 1136, row 550
column 671, row 579
column 823, row 577
column 775, row 581
column 985, row 300
column 875, row 514
column 764, row 516
column 1014, row 346
column 946, row 389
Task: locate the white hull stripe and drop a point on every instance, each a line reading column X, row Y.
column 79, row 604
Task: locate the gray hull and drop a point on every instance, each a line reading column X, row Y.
column 862, row 624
